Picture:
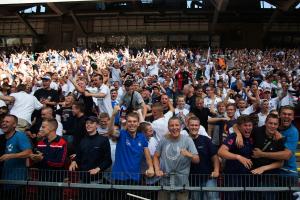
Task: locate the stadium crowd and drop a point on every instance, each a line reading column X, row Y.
column 151, row 113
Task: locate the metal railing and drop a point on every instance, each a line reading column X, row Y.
column 36, row 184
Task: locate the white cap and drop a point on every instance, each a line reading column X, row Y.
column 231, row 101
column 2, row 103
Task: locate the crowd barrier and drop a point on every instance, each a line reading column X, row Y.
column 33, row 184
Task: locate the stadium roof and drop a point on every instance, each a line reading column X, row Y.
column 222, row 10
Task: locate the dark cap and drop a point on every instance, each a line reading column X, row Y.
column 92, row 119
column 128, row 83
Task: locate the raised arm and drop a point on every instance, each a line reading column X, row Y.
column 111, row 124
column 239, row 138
column 79, row 89
column 10, row 99
column 213, row 120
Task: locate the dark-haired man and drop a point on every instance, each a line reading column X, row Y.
column 132, row 146
column 102, row 95
column 238, row 160
column 64, row 113
column 78, row 130
column 52, row 150
column 93, row 153
column 46, row 113
column 46, row 95
column 291, row 136
column 80, row 96
column 17, row 149
column 209, row 164
column 132, row 100
column 265, row 142
column 50, row 154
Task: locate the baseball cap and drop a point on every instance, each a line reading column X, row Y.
column 128, row 83
column 46, row 77
column 267, row 89
column 92, row 118
column 2, row 104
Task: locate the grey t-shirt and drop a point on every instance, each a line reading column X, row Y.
column 137, row 100
column 171, row 161
column 115, row 75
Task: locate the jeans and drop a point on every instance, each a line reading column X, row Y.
column 206, row 195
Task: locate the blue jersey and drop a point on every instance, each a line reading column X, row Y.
column 291, row 135
column 129, row 155
column 15, row 169
column 117, row 117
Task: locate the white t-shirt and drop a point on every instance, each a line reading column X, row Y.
column 261, row 119
column 201, row 131
column 102, row 131
column 208, row 101
column 247, row 111
column 93, row 90
column 54, row 85
column 116, row 75
column 65, row 89
column 224, row 77
column 153, row 70
column 273, row 103
column 184, row 111
column 24, row 105
column 208, row 69
column 152, row 144
column 71, row 87
column 104, row 104
column 288, row 100
column 59, row 130
column 160, row 126
column 120, row 93
column 2, row 103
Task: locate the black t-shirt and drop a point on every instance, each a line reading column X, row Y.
column 202, row 114
column 66, row 117
column 42, row 93
column 78, row 130
column 206, row 150
column 51, row 94
column 35, row 128
column 88, row 103
column 266, row 144
column 191, row 100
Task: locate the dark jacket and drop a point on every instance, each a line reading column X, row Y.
column 93, row 151
column 54, row 153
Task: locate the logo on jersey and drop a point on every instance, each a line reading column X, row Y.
column 10, row 148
